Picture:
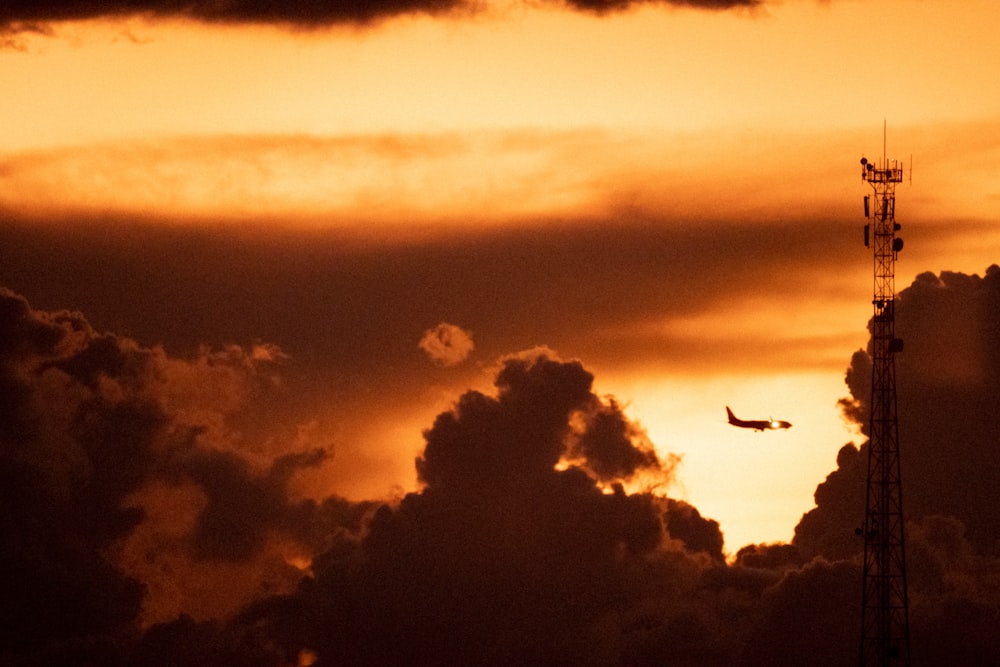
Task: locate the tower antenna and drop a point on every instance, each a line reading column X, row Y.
column 885, row 632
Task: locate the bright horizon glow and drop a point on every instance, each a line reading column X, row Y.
column 757, row 485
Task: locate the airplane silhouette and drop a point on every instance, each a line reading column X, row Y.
column 757, row 424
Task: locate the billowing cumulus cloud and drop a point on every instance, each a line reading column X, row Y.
column 116, row 480
column 119, row 463
column 146, row 530
column 504, row 556
column 948, row 378
column 447, row 344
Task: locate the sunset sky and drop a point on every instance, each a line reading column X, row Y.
column 666, row 192
column 737, row 131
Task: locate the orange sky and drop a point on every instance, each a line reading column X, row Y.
column 798, row 65
column 450, row 125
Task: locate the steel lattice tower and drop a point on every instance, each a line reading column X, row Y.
column 885, row 637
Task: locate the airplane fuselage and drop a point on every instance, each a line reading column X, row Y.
column 757, row 424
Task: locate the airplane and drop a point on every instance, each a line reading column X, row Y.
column 757, row 424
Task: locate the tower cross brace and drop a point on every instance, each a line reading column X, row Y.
column 885, row 638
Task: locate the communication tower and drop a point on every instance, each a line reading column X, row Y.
column 885, row 636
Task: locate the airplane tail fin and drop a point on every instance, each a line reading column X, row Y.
column 732, row 417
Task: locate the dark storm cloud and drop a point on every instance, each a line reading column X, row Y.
column 829, row 528
column 522, row 546
column 508, row 559
column 699, row 534
column 94, row 447
column 19, row 15
column 336, row 302
column 60, row 508
column 958, row 588
column 503, row 557
column 826, row 594
column 478, row 444
column 605, row 6
column 553, row 415
column 611, row 446
column 523, row 543
column 243, row 507
column 298, row 13
column 89, row 422
column 948, row 380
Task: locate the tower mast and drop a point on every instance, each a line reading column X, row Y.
column 885, row 637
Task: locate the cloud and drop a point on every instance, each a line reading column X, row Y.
column 241, row 507
column 544, row 411
column 302, row 14
column 117, row 460
column 504, row 555
column 493, row 176
column 12, row 34
column 629, row 289
column 144, row 524
column 607, row 6
column 825, row 593
column 24, row 14
column 947, row 380
column 698, row 534
column 447, row 344
column 65, row 470
column 315, row 179
column 948, row 377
